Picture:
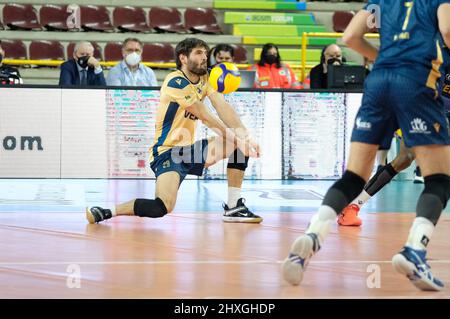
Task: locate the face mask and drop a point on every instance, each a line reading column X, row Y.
column 333, row 61
column 82, row 62
column 271, row 59
column 133, row 59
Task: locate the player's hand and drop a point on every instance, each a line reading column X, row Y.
column 249, row 147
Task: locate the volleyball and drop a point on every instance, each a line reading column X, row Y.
column 225, row 77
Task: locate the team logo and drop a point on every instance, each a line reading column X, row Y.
column 418, row 126
column 447, row 77
column 178, row 81
column 363, row 125
column 187, row 97
column 166, row 164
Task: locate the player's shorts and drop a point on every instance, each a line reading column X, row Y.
column 185, row 160
column 393, row 101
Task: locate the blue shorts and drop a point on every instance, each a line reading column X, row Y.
column 392, row 101
column 185, row 160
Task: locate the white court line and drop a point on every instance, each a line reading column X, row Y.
column 208, row 262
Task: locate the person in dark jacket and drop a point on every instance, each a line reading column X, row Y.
column 83, row 69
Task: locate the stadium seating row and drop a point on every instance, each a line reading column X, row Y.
column 55, row 17
column 54, row 50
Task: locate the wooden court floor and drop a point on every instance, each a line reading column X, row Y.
column 47, row 249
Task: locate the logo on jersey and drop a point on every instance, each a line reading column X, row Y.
column 166, row 164
column 447, row 77
column 187, row 97
column 363, row 125
column 190, row 116
column 418, row 126
column 178, row 81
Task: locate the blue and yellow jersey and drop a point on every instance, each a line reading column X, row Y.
column 410, row 38
column 174, row 125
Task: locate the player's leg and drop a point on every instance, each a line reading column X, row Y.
column 361, row 159
column 425, row 129
column 384, row 175
column 165, row 197
column 411, row 261
column 373, row 122
column 218, row 149
column 237, row 164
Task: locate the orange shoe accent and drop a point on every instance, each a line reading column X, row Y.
column 349, row 216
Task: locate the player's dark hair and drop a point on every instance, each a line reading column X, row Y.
column 186, row 46
column 224, row 47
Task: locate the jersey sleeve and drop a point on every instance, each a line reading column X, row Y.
column 181, row 91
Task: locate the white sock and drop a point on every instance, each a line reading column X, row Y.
column 320, row 222
column 113, row 211
column 420, row 233
column 361, row 199
column 234, row 194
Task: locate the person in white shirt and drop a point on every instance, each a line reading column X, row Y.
column 130, row 71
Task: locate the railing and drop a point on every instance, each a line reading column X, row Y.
column 295, row 67
column 304, row 46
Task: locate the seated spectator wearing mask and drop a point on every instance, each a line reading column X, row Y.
column 83, row 69
column 130, row 71
column 8, row 74
column 271, row 73
column 331, row 55
column 221, row 53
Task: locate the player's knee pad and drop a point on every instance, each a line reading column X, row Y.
column 350, row 185
column 153, row 208
column 438, row 185
column 237, row 160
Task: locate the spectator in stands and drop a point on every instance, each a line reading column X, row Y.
column 83, row 69
column 271, row 73
column 131, row 72
column 331, row 55
column 8, row 74
column 221, row 53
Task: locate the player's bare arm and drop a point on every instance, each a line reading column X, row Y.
column 444, row 22
column 354, row 35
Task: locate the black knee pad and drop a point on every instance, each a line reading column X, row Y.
column 438, row 185
column 237, row 160
column 153, row 208
column 350, row 185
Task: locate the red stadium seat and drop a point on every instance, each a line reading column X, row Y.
column 113, row 51
column 130, row 19
column 341, row 19
column 201, row 20
column 97, row 50
column 240, row 54
column 95, row 18
column 164, row 19
column 54, row 17
column 46, row 50
column 158, row 53
column 14, row 49
column 20, row 17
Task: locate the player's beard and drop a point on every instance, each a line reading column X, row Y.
column 197, row 69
